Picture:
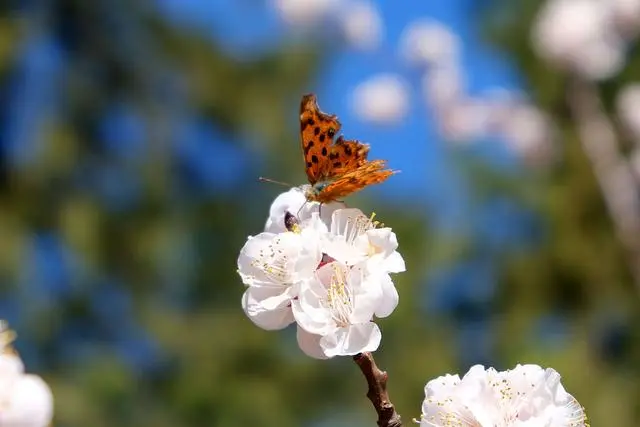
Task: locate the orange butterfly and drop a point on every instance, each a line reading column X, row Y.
column 337, row 168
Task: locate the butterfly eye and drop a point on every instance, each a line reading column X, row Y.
column 331, row 132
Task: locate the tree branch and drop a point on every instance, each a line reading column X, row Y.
column 377, row 393
column 600, row 143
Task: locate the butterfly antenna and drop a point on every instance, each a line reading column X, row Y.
column 273, row 181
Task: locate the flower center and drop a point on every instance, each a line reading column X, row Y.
column 273, row 261
column 339, row 297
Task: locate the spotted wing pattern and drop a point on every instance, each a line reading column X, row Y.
column 337, row 168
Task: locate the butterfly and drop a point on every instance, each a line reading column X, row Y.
column 338, row 167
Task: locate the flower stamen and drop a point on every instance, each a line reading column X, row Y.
column 274, row 263
column 339, row 297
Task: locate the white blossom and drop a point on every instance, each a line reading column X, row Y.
column 529, row 133
column 337, row 306
column 382, row 99
column 579, row 35
column 329, row 275
column 626, row 16
column 429, row 43
column 465, row 121
column 272, row 265
column 304, row 13
column 442, row 87
column 27, row 403
column 25, row 399
column 361, row 24
column 525, row 396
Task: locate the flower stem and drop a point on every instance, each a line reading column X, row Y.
column 377, row 393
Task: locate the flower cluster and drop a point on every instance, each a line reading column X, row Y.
column 525, row 396
column 25, row 399
column 324, row 267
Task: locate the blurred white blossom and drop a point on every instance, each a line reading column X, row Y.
column 382, row 99
column 25, row 399
column 628, row 108
column 465, row 121
column 442, row 86
column 529, row 133
column 525, row 396
column 626, row 16
column 304, row 13
column 579, row 35
column 429, row 43
column 361, row 24
column 331, row 278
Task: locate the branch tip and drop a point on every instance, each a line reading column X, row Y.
column 377, row 392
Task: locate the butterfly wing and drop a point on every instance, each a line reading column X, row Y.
column 317, row 130
column 368, row 173
column 345, row 155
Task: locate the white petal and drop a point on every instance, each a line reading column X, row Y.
column 325, row 210
column 444, row 385
column 308, row 309
column 352, row 340
column 314, row 225
column 291, row 201
column 380, row 245
column 394, row 263
column 10, row 365
column 249, row 253
column 310, row 344
column 340, row 250
column 447, row 410
column 295, row 202
column 383, row 238
column 343, row 221
column 268, row 307
column 368, row 294
column 30, row 404
column 383, row 241
column 390, row 297
column 278, row 258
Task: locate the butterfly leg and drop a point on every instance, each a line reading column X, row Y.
column 301, row 207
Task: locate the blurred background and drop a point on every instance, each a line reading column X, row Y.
column 132, row 134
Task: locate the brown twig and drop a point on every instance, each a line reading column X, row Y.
column 377, row 393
